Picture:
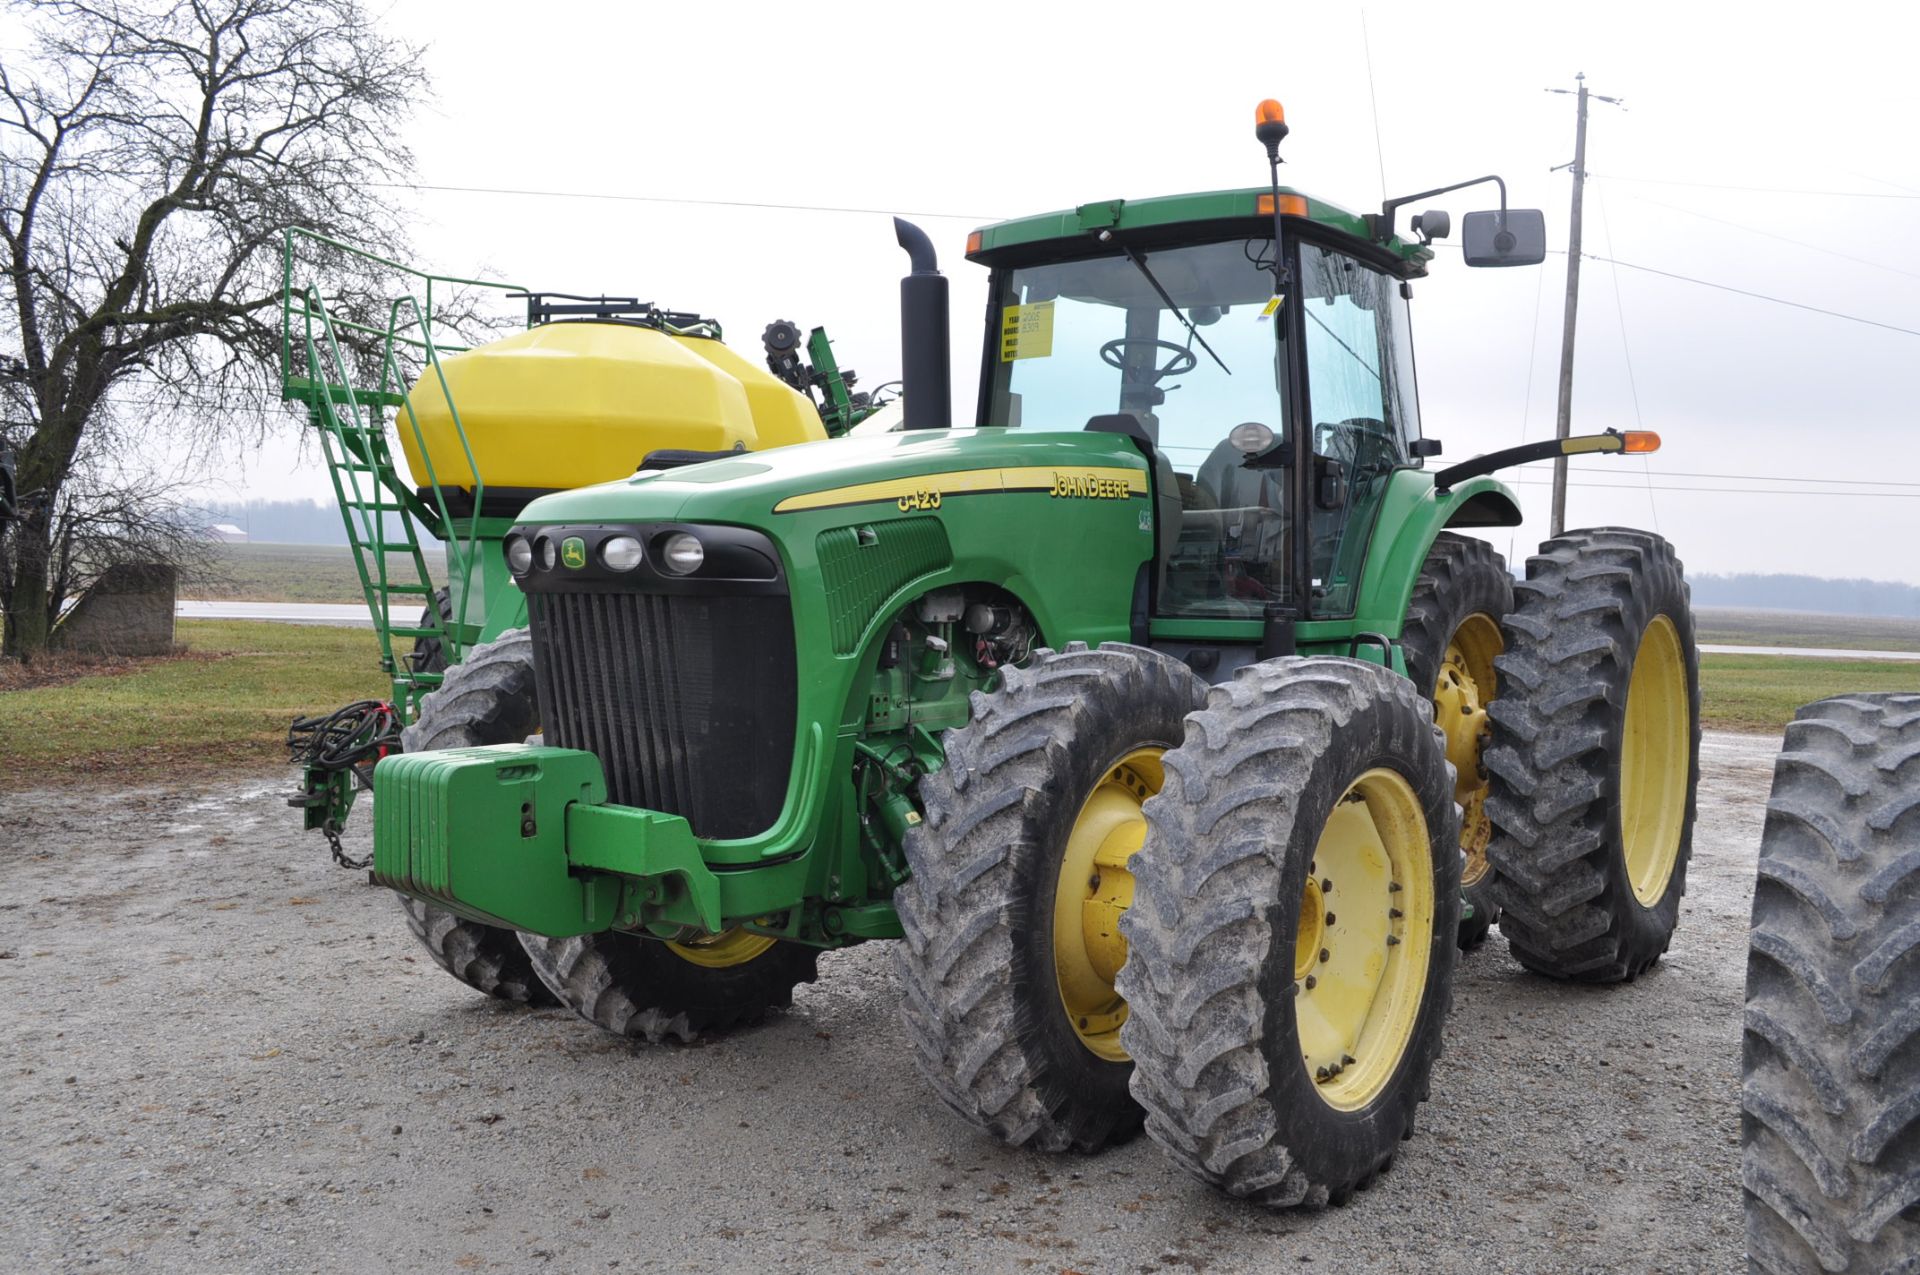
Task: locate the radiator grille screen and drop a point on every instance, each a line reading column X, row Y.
column 688, row 701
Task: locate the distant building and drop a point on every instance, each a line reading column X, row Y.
column 226, row 533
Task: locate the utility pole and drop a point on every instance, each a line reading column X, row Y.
column 1563, row 423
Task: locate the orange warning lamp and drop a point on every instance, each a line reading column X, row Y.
column 1270, row 124
column 1641, row 441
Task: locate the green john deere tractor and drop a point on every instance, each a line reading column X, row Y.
column 1161, row 717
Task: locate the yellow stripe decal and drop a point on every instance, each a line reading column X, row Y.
column 1590, row 443
column 925, row 491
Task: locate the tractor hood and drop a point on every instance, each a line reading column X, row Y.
column 892, row 473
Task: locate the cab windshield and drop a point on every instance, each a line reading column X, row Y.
column 1091, row 338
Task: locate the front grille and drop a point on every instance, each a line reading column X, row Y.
column 688, row 700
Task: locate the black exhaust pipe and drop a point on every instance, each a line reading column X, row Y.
column 926, row 375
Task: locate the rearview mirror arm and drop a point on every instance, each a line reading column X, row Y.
column 1380, row 224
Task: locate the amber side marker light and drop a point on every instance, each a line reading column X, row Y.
column 1291, row 205
column 973, row 242
column 1641, row 441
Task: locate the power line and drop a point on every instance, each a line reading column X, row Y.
column 1798, row 243
column 1770, row 478
column 666, row 199
column 1758, row 296
column 1729, row 491
column 1765, row 190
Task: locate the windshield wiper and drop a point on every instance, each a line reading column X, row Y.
column 1141, row 266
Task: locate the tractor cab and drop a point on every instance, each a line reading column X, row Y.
column 1273, row 405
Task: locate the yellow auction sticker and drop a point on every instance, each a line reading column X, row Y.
column 1026, row 331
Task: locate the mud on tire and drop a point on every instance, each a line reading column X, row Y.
column 1596, row 607
column 1214, row 932
column 1830, row 1104
column 487, row 699
column 983, row 1004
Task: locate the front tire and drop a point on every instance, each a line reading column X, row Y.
column 651, row 990
column 1596, row 756
column 1830, row 1100
column 1293, row 938
column 1019, row 874
column 488, row 699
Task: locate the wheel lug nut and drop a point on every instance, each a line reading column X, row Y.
column 1322, row 1075
column 1393, row 887
column 1393, row 940
column 1346, row 1060
column 1312, row 982
column 1329, row 918
column 1323, row 956
column 1394, row 914
column 1326, row 884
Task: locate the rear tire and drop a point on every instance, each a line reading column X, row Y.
column 1453, row 632
column 644, row 989
column 1239, row 967
column 1005, row 1009
column 1830, row 1102
column 487, row 699
column 1596, row 756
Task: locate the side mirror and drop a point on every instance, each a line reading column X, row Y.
column 1516, row 237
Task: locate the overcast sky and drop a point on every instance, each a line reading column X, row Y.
column 987, row 111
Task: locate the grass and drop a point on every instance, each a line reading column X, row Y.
column 220, row 707
column 1758, row 693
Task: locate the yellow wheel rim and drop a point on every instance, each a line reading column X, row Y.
column 1365, row 939
column 1465, row 685
column 1655, row 756
column 1093, row 890
column 725, row 950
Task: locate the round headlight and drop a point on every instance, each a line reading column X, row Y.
column 547, row 553
column 1250, row 437
column 683, row 554
column 519, row 555
column 621, row 553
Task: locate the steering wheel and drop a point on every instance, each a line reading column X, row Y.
column 1113, row 354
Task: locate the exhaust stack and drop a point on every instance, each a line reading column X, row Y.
column 925, row 373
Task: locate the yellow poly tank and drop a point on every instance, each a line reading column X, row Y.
column 570, row 404
column 780, row 414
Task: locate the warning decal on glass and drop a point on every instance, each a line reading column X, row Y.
column 1026, row 331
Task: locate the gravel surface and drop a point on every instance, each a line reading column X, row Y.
column 221, row 1053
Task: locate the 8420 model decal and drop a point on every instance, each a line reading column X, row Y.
column 927, row 491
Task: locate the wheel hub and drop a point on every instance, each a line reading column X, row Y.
column 1364, row 940
column 1655, row 758
column 1093, row 891
column 1465, row 685
column 723, row 950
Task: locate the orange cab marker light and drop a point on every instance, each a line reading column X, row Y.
column 973, row 242
column 1291, row 205
column 1269, row 112
column 1641, row 441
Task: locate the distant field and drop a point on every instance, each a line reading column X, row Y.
column 1760, row 692
column 294, row 573
column 1734, row 627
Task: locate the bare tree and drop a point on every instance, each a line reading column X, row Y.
column 152, row 155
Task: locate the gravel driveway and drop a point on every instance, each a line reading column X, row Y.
column 221, row 1053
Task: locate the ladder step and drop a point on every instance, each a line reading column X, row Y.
column 375, row 506
column 423, row 590
column 414, row 631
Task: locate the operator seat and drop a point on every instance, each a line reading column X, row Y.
column 1167, row 504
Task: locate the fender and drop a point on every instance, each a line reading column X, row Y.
column 1418, row 513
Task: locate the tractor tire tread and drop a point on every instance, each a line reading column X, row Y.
column 963, row 909
column 1204, row 917
column 1564, row 677
column 1830, row 1095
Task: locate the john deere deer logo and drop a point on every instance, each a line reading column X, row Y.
column 573, row 552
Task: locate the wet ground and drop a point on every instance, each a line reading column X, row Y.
column 223, row 1053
